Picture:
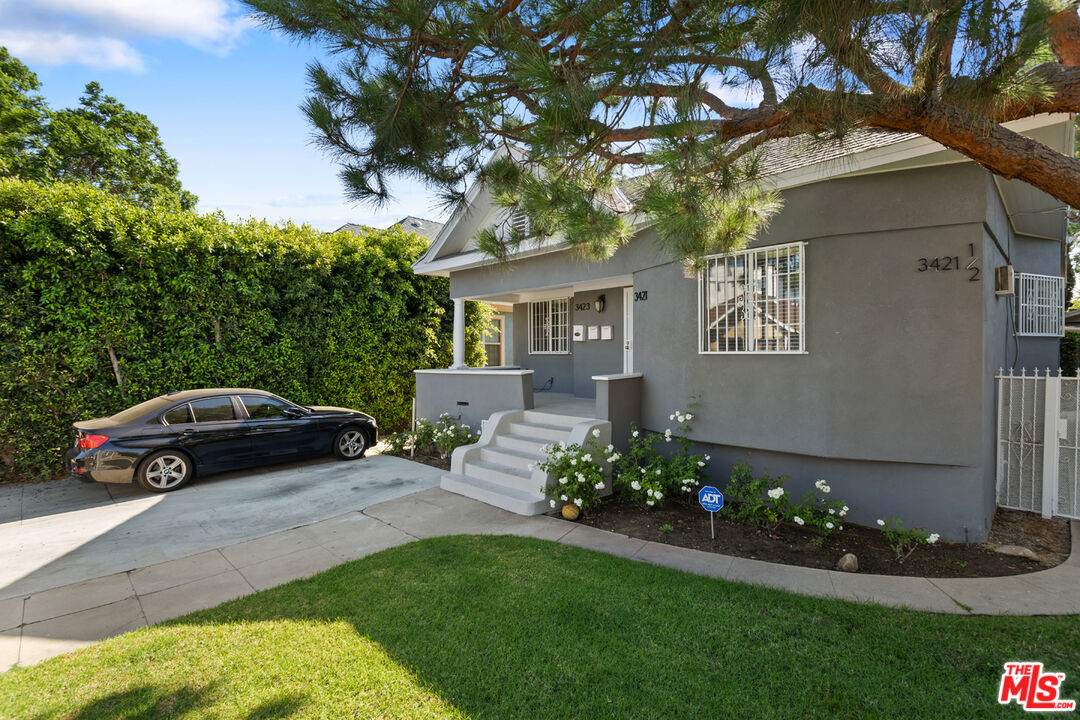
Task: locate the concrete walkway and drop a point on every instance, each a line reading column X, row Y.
column 41, row 624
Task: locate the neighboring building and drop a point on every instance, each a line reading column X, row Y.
column 857, row 340
column 420, row 226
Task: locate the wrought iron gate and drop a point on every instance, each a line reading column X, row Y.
column 1038, row 446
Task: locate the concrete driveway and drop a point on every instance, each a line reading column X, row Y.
column 65, row 532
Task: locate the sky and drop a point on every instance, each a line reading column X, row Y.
column 224, row 93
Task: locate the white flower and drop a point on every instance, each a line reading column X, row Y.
column 667, row 432
column 636, row 433
column 831, row 511
column 828, row 526
column 678, row 412
column 681, row 418
column 657, row 471
column 798, row 520
column 545, row 449
column 933, row 538
column 881, row 522
column 577, row 501
column 599, row 485
column 580, row 477
column 552, row 503
column 532, row 466
column 573, row 461
column 708, row 457
column 563, row 497
column 650, row 503
column 689, row 416
column 635, row 485
column 614, row 458
column 562, row 444
column 776, row 493
column 563, row 481
column 642, row 470
column 826, row 489
column 671, row 416
column 649, row 492
column 700, row 463
column 685, row 488
column 587, row 457
column 840, row 528
column 609, row 447
column 658, row 495
column 596, row 433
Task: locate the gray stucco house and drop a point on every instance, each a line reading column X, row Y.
column 856, row 341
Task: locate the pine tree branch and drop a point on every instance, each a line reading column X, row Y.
column 1063, row 30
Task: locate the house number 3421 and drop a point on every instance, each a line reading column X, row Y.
column 952, row 262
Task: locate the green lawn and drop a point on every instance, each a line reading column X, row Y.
column 503, row 627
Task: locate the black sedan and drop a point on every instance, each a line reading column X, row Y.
column 162, row 443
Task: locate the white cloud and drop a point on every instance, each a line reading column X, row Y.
column 746, row 94
column 194, row 21
column 61, row 48
column 103, row 33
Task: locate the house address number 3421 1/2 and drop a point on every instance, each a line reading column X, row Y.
column 952, row 262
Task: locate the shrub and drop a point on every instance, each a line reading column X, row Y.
column 903, row 541
column 440, row 437
column 764, row 502
column 579, row 472
column 1070, row 353
column 646, row 475
column 183, row 300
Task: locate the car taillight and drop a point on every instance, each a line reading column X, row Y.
column 89, row 442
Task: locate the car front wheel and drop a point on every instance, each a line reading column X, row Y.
column 350, row 444
column 165, row 471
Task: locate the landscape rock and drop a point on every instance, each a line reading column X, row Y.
column 1016, row 551
column 848, row 563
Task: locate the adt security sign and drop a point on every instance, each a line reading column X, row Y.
column 712, row 500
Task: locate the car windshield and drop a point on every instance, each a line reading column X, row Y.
column 137, row 411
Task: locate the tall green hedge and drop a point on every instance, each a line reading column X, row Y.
column 183, row 300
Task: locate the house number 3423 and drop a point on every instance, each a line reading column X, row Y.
column 952, row 262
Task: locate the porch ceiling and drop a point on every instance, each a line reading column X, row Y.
column 553, row 291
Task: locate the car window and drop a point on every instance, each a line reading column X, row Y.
column 260, row 407
column 137, row 411
column 213, row 409
column 178, row 415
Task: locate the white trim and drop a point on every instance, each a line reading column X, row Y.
column 474, row 371
column 618, row 376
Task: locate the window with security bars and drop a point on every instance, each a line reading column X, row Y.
column 752, row 301
column 1040, row 305
column 549, row 327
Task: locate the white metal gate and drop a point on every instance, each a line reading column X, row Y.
column 1036, row 469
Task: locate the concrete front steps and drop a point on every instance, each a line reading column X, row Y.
column 496, row 470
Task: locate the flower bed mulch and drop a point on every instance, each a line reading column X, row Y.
column 433, row 460
column 790, row 544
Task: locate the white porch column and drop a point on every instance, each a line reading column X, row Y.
column 459, row 334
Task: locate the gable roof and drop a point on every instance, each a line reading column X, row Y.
column 785, row 163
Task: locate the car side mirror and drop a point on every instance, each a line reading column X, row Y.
column 293, row 412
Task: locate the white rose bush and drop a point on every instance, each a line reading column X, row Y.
column 440, row 437
column 764, row 502
column 902, row 540
column 580, row 472
column 646, row 475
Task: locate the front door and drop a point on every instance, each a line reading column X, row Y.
column 628, row 330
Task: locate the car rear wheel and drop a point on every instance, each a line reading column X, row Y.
column 165, row 471
column 350, row 444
